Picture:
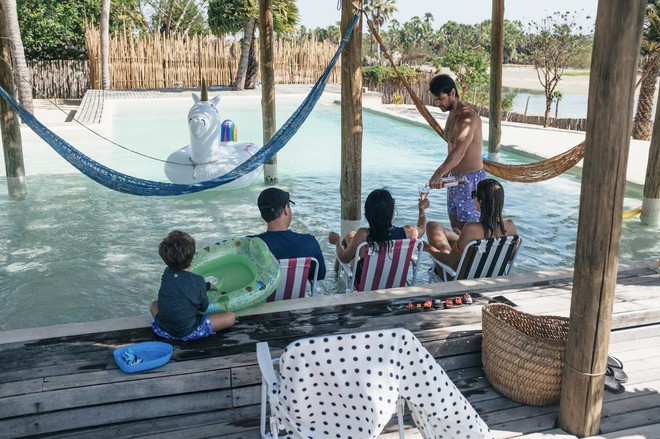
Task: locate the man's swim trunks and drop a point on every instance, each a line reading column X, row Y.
column 459, row 198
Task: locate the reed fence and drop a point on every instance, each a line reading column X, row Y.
column 66, row 79
column 156, row 61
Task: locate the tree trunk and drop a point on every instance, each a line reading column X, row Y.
column 643, row 124
column 253, row 67
column 496, row 59
column 548, row 109
column 651, row 203
column 9, row 125
column 105, row 44
column 267, row 56
column 21, row 73
column 241, row 72
column 350, row 186
column 615, row 53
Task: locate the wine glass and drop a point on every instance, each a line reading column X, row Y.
column 424, row 190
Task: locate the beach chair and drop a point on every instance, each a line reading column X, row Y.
column 293, row 281
column 481, row 258
column 350, row 385
column 383, row 269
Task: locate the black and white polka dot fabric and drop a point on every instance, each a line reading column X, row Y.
column 346, row 387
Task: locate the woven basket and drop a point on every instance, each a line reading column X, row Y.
column 523, row 354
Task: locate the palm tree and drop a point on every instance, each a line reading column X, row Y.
column 105, row 44
column 650, row 53
column 232, row 16
column 380, row 11
column 21, row 73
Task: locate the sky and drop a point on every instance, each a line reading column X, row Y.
column 322, row 13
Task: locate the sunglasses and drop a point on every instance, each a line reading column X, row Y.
column 474, row 194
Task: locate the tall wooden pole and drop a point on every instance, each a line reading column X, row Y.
column 267, row 83
column 496, row 60
column 350, row 186
column 611, row 93
column 651, row 202
column 12, row 144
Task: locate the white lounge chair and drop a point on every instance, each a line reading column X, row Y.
column 349, row 385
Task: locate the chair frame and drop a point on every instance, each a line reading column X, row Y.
column 269, row 374
column 312, row 282
column 348, row 270
column 477, row 245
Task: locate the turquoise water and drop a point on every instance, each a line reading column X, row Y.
column 75, row 251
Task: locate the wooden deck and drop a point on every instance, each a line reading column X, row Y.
column 63, row 382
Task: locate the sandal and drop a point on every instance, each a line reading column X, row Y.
column 611, row 383
column 617, row 368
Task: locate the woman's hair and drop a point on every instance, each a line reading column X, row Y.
column 490, row 194
column 177, row 250
column 379, row 211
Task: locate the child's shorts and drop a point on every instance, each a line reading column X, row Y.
column 203, row 330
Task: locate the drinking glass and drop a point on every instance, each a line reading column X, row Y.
column 424, row 190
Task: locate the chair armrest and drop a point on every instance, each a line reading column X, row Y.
column 346, row 271
column 444, row 267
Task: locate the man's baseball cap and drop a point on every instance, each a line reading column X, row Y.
column 272, row 199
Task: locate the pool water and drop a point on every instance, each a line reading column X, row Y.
column 75, row 251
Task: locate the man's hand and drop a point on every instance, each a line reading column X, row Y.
column 436, row 179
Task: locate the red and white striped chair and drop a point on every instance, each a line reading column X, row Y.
column 481, row 258
column 293, row 281
column 383, row 269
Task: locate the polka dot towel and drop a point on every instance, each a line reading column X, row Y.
column 346, row 387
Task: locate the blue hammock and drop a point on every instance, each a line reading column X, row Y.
column 136, row 186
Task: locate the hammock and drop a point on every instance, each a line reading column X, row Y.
column 529, row 173
column 136, row 186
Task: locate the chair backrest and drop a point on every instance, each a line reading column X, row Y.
column 293, row 281
column 348, row 385
column 488, row 257
column 388, row 267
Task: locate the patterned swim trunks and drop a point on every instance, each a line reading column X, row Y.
column 459, row 198
column 203, row 330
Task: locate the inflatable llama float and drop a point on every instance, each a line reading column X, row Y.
column 210, row 153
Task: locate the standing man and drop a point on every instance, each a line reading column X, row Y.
column 465, row 143
column 275, row 207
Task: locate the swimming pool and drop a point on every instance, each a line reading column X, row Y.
column 75, row 251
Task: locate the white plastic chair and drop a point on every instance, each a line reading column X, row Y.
column 383, row 269
column 293, row 281
column 481, row 258
column 349, row 385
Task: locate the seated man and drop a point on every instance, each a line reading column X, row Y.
column 275, row 207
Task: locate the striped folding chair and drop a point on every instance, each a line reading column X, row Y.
column 293, row 281
column 387, row 268
column 481, row 258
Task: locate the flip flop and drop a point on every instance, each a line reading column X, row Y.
column 611, row 383
column 617, row 367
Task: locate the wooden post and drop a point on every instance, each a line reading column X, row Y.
column 650, row 215
column 350, row 186
column 496, row 60
column 12, row 144
column 267, row 83
column 611, row 93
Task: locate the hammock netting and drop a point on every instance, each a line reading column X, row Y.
column 528, row 173
column 136, row 186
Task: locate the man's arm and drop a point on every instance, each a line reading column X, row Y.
column 460, row 145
